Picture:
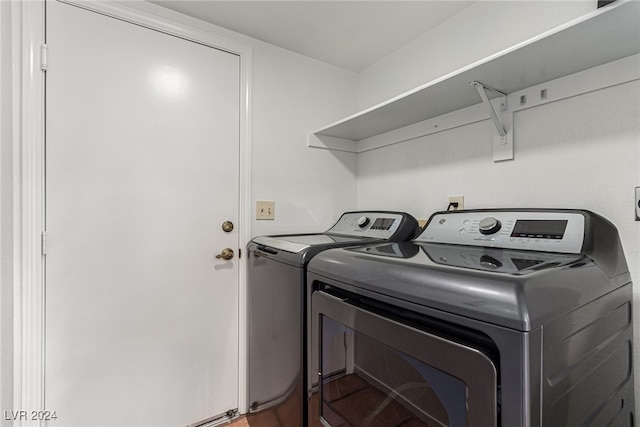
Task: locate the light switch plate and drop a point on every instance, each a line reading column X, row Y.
column 265, row 209
column 637, row 203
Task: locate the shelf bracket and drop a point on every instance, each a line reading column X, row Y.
column 503, row 142
column 482, row 91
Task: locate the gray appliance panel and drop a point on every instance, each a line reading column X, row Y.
column 563, row 359
column 518, row 289
column 428, row 275
column 274, row 374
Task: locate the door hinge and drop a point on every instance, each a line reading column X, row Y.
column 43, row 242
column 43, row 57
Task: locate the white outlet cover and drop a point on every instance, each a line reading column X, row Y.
column 459, row 200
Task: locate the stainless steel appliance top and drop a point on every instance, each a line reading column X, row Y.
column 479, row 275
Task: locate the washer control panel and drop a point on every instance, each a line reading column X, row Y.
column 368, row 224
column 545, row 231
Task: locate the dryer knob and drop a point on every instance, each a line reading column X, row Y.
column 490, row 262
column 363, row 221
column 490, row 225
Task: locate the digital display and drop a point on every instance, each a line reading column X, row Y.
column 382, row 223
column 539, row 229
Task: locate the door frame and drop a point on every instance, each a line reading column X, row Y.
column 28, row 37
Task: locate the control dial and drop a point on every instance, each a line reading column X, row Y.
column 490, row 225
column 490, row 262
column 363, row 221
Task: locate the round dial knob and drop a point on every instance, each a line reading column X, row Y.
column 363, row 221
column 490, row 262
column 490, row 225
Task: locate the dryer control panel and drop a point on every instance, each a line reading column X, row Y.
column 545, row 231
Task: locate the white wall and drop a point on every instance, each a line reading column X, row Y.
column 293, row 95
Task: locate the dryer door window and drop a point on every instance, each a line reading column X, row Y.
column 377, row 372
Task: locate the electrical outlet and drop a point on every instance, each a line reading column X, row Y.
column 456, row 203
column 265, row 209
column 637, row 203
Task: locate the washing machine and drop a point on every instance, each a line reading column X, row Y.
column 511, row 318
column 277, row 308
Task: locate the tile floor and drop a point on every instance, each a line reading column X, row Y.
column 350, row 401
column 286, row 414
column 240, row 422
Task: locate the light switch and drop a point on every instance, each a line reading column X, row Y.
column 265, row 209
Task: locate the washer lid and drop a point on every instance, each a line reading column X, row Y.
column 352, row 228
column 300, row 242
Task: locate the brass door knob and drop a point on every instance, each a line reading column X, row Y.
column 227, row 226
column 226, row 254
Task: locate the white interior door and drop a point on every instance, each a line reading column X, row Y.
column 142, row 142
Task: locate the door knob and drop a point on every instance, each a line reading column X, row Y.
column 226, row 254
column 227, row 226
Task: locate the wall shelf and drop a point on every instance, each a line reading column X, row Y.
column 603, row 36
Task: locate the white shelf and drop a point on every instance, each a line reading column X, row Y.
column 603, row 36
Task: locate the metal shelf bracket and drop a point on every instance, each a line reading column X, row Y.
column 482, row 91
column 503, row 142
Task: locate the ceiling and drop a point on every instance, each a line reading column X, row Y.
column 349, row 34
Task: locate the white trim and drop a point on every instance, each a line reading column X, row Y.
column 29, row 181
column 29, row 203
column 245, row 222
column 158, row 18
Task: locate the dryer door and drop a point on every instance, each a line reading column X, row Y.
column 393, row 374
